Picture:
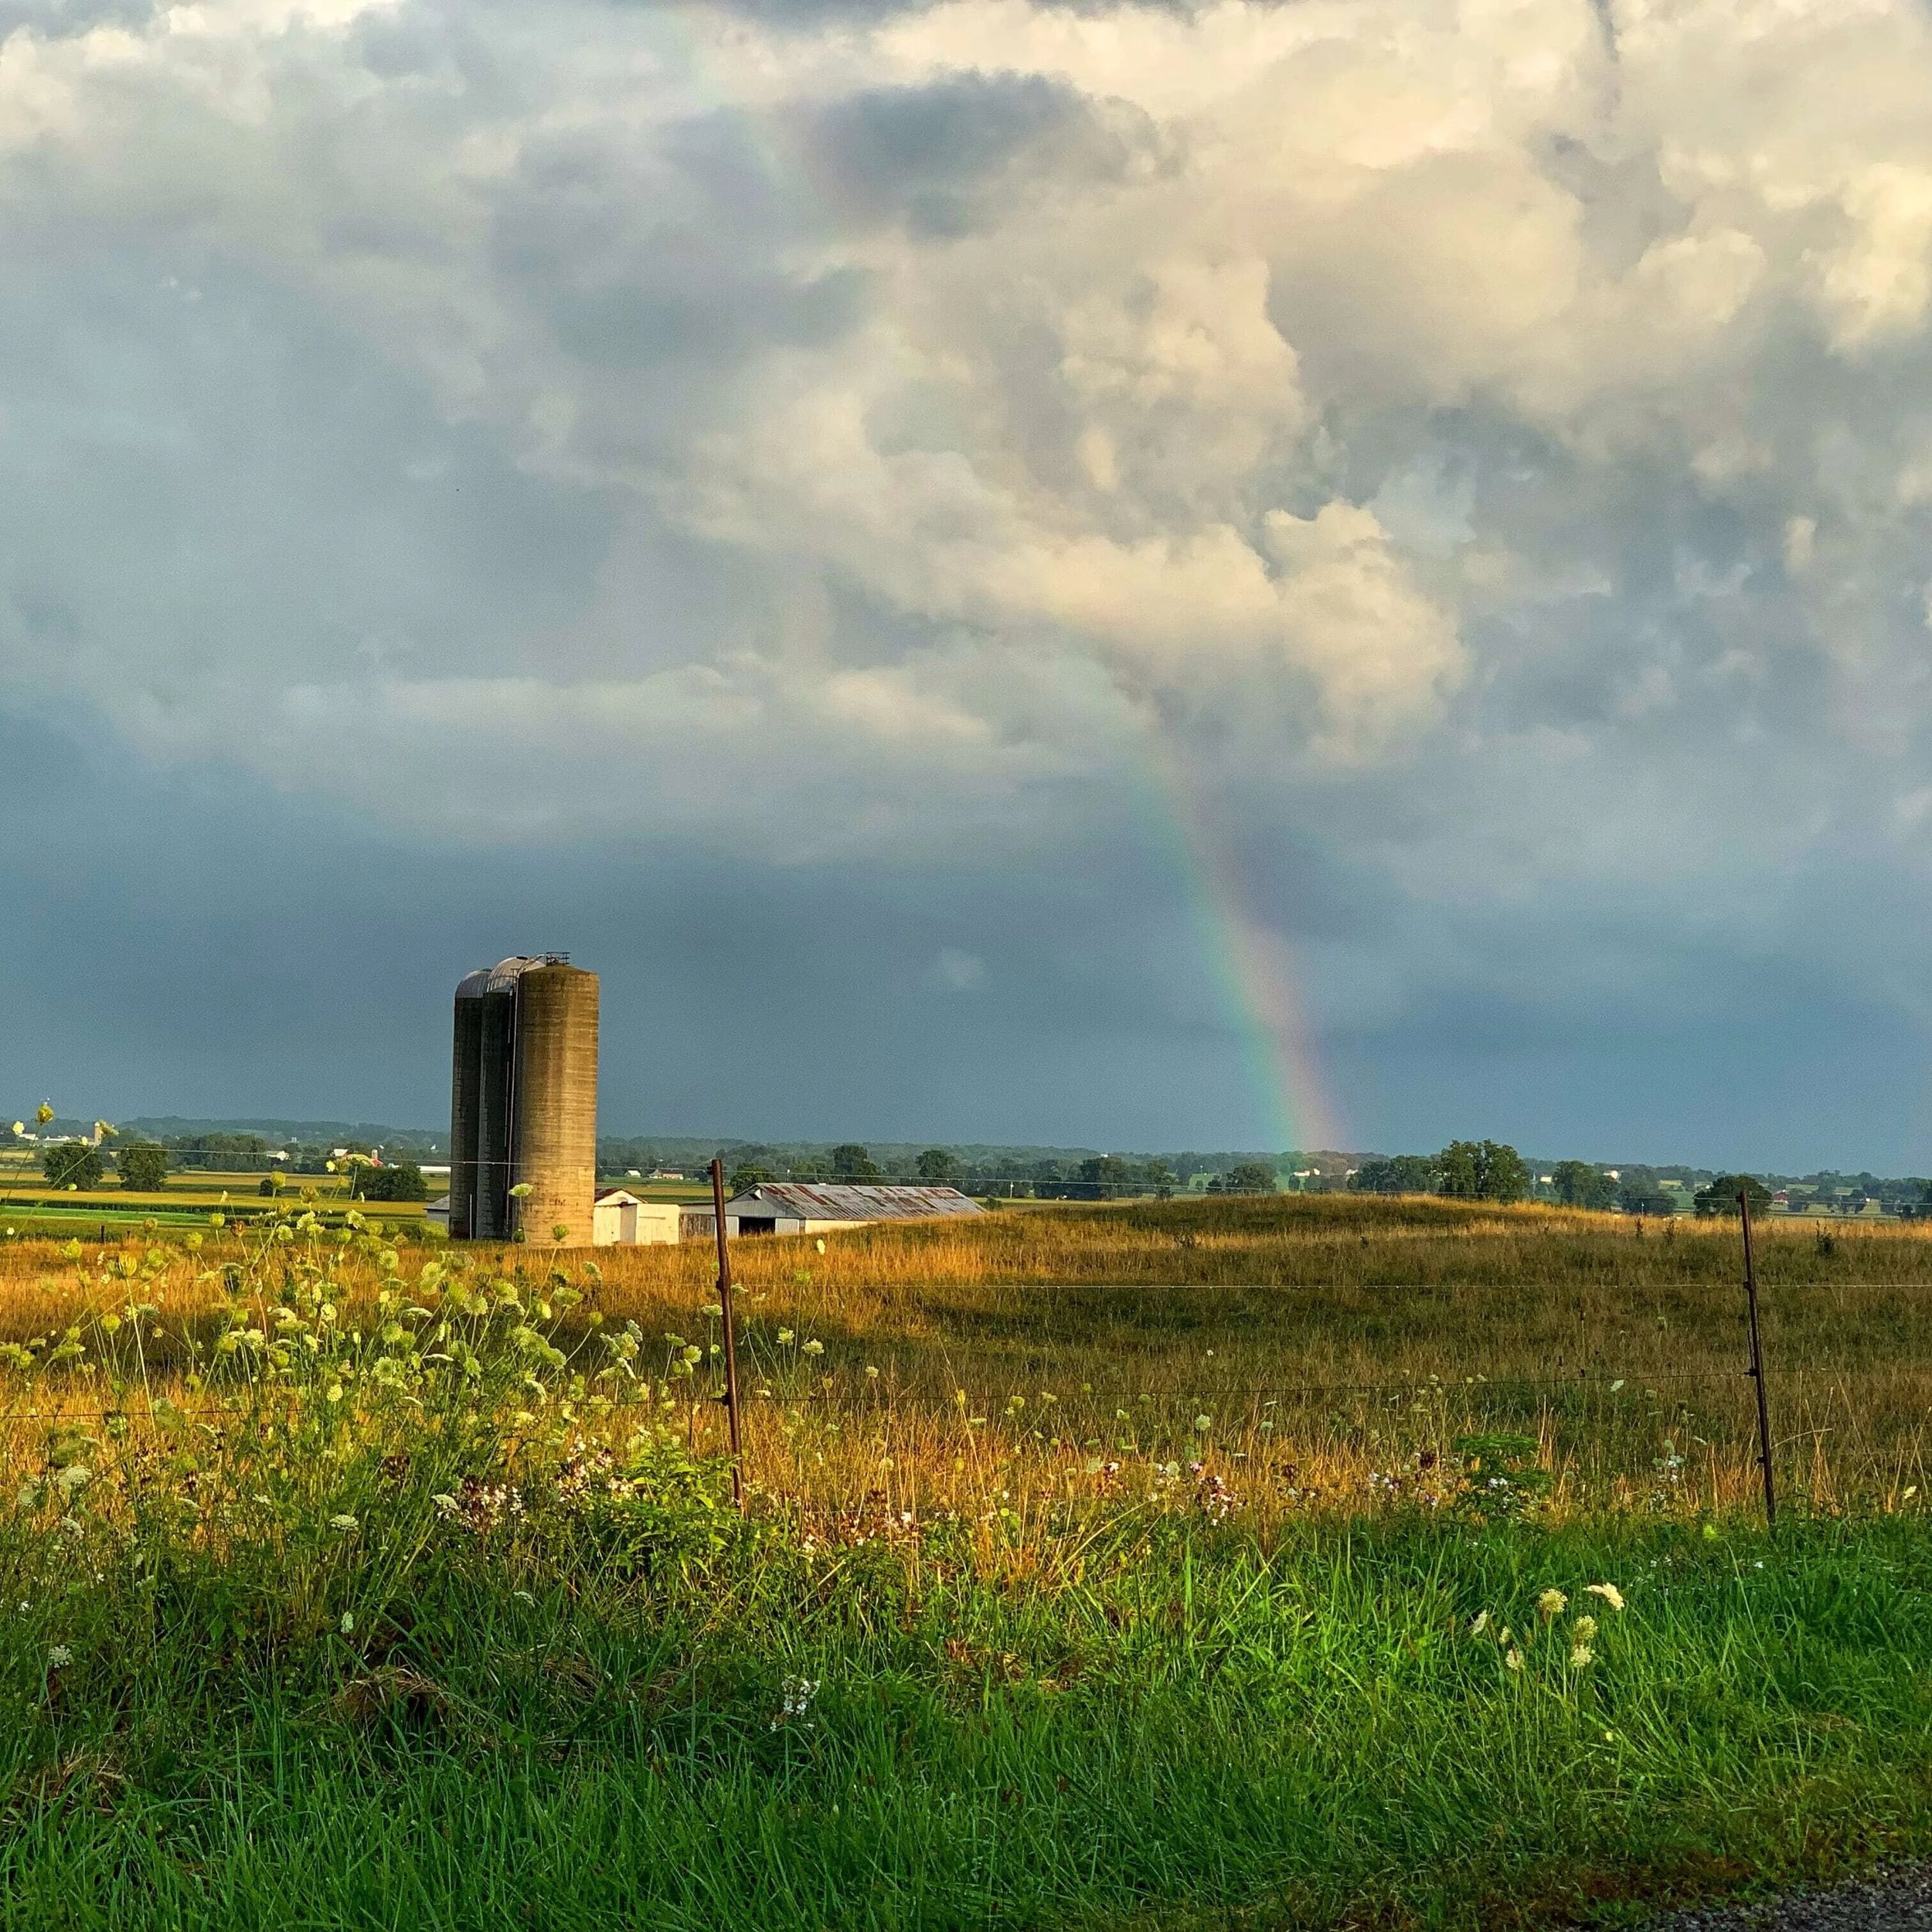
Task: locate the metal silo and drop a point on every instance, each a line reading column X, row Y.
column 554, row 1134
column 523, row 1100
column 466, row 1080
column 496, row 1102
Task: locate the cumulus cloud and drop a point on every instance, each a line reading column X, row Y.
column 853, row 428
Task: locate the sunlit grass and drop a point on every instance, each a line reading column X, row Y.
column 1260, row 1563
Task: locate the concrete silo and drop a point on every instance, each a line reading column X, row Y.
column 523, row 1101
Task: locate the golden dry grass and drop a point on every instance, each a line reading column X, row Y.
column 1305, row 1352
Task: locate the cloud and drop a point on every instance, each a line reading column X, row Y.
column 1486, row 445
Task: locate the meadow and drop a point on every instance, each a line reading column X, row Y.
column 1314, row 1561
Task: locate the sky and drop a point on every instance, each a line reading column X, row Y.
column 1144, row 576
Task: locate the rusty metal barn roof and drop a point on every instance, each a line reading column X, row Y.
column 842, row 1201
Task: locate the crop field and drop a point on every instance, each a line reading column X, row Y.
column 1313, row 1561
column 30, row 1206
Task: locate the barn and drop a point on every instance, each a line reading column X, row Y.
column 816, row 1207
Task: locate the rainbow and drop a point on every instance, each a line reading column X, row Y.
column 1251, row 966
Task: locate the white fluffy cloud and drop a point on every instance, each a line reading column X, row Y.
column 960, row 393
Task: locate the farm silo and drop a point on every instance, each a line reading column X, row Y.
column 523, row 1101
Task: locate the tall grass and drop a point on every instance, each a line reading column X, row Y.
column 1151, row 1578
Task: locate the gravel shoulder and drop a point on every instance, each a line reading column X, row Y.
column 1896, row 1900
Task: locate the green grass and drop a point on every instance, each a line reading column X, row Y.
column 1197, row 1731
column 357, row 1587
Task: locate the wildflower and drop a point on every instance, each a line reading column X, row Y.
column 1584, row 1629
column 59, row 1657
column 820, row 1245
column 798, row 1693
column 786, row 1337
column 349, row 1623
column 871, row 1374
column 1202, row 1424
column 1581, row 1654
column 1609, row 1592
column 1552, row 1603
column 814, row 1347
column 1513, row 1657
column 1481, row 1625
column 343, row 1522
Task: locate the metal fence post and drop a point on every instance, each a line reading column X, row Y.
column 1757, row 1366
column 730, row 1337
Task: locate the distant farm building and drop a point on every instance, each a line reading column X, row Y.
column 619, row 1219
column 802, row 1207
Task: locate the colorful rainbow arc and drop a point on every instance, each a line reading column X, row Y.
column 1253, row 967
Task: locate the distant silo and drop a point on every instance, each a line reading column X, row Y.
column 523, row 1101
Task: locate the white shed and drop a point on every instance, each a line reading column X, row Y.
column 437, row 1212
column 621, row 1218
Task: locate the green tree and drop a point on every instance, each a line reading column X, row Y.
column 393, row 1181
column 1579, row 1185
column 1249, row 1177
column 1396, row 1174
column 72, row 1164
column 1720, row 1196
column 747, row 1175
column 1639, row 1191
column 939, row 1165
column 850, row 1161
column 1483, row 1170
column 143, row 1167
column 1104, row 1177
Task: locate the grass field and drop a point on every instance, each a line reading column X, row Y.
column 1174, row 1564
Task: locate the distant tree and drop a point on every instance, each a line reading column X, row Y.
column 748, row 1174
column 395, row 1180
column 143, row 1167
column 1396, row 1174
column 1102, row 1177
column 1159, row 1179
column 850, row 1161
column 1483, row 1170
column 1720, row 1196
column 939, row 1165
column 235, row 1153
column 1578, row 1184
column 1638, row 1196
column 1249, row 1177
column 72, row 1164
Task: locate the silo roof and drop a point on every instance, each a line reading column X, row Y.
column 504, row 974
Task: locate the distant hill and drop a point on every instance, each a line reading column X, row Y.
column 176, row 1127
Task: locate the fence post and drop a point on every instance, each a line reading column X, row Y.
column 1757, row 1366
column 730, row 1337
